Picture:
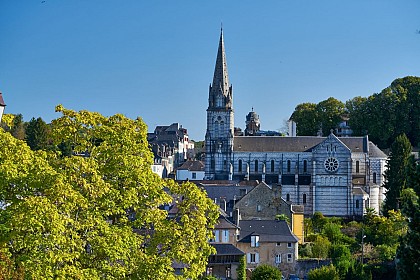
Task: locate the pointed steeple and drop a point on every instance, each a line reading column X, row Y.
column 220, row 94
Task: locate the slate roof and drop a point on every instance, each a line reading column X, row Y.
column 1, row 100
column 227, row 249
column 268, row 231
column 300, row 144
column 192, row 165
column 224, row 223
column 228, row 192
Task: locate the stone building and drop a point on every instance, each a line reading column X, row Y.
column 336, row 176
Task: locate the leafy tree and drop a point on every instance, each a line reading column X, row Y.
column 321, row 247
column 341, row 258
column 241, row 270
column 37, row 134
column 395, row 174
column 266, row 272
column 306, row 118
column 318, row 221
column 409, row 250
column 330, row 114
column 324, row 273
column 357, row 272
column 100, row 214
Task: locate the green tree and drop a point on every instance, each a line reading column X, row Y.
column 395, row 174
column 329, row 114
column 100, row 214
column 409, row 250
column 37, row 134
column 321, row 247
column 241, row 270
column 324, row 273
column 341, row 258
column 306, row 117
column 266, row 272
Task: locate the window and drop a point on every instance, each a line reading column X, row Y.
column 256, row 165
column 240, row 165
column 357, row 166
column 253, row 258
column 287, row 197
column 289, row 164
column 225, row 236
column 194, row 175
column 278, row 258
column 278, row 244
column 304, row 198
column 242, row 192
column 255, row 241
column 289, row 245
column 374, row 177
column 272, row 165
column 209, row 271
column 305, row 166
column 357, row 203
column 212, row 163
column 228, row 274
column 259, row 208
column 216, row 236
column 289, row 258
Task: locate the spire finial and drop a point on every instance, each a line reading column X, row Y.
column 252, row 108
column 221, row 26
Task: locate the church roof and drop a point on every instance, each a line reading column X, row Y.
column 300, row 144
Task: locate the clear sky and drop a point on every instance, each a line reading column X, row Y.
column 155, row 59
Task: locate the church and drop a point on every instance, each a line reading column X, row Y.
column 337, row 176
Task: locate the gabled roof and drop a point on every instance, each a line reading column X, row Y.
column 300, row 144
column 268, row 231
column 224, row 223
column 227, row 249
column 192, row 165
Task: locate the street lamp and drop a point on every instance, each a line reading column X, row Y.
column 2, row 105
column 363, row 237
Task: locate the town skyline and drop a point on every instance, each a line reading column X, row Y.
column 157, row 60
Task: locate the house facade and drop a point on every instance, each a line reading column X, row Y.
column 335, row 176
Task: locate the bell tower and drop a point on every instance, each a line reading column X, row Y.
column 220, row 126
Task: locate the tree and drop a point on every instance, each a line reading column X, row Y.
column 409, row 250
column 330, row 114
column 321, row 247
column 241, row 270
column 341, row 258
column 266, row 272
column 99, row 213
column 324, row 273
column 395, row 174
column 306, row 118
column 37, row 134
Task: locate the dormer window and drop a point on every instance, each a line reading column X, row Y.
column 255, row 241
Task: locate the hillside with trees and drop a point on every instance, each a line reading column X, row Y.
column 383, row 116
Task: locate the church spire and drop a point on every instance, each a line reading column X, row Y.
column 220, row 94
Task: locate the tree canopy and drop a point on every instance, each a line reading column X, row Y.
column 100, row 212
column 266, row 272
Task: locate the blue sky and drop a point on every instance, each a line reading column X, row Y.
column 155, row 59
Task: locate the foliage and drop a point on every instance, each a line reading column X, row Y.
column 99, row 213
column 409, row 250
column 305, row 250
column 241, row 270
column 341, row 258
column 385, row 115
column 318, row 221
column 8, row 270
column 266, row 272
column 330, row 113
column 320, row 247
column 305, row 116
column 37, row 134
column 395, row 174
column 283, row 217
column 357, row 272
column 324, row 273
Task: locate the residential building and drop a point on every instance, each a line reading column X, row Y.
column 191, row 170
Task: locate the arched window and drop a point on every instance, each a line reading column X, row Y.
column 222, row 128
column 304, row 198
column 288, row 197
column 289, row 164
column 272, row 165
column 357, row 203
column 240, row 165
column 357, row 166
column 305, row 166
column 256, row 165
column 374, row 177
